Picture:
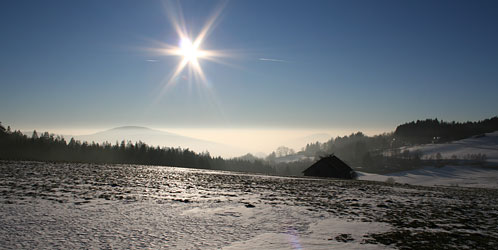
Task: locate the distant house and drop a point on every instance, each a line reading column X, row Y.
column 330, row 166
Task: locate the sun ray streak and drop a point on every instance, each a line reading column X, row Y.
column 192, row 54
column 209, row 26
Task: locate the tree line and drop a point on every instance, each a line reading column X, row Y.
column 381, row 153
column 435, row 131
column 14, row 145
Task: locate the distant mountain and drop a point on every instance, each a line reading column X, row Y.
column 132, row 128
column 158, row 138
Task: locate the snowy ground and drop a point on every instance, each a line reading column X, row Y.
column 82, row 206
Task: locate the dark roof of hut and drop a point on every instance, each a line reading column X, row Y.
column 330, row 166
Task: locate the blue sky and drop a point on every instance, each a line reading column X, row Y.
column 339, row 64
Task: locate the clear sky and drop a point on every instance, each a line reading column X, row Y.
column 317, row 65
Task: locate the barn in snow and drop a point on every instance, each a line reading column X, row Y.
column 330, row 166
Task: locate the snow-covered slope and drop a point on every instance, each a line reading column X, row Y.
column 487, row 144
column 469, row 176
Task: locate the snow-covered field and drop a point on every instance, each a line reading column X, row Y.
column 82, row 206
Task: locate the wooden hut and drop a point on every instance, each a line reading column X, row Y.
column 330, row 166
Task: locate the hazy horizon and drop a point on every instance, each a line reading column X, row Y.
column 256, row 141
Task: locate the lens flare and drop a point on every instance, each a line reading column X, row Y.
column 189, row 49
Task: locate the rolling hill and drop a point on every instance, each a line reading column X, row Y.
column 459, row 175
column 158, row 138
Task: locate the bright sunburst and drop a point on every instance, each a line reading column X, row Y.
column 189, row 49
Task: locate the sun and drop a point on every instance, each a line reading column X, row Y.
column 189, row 51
